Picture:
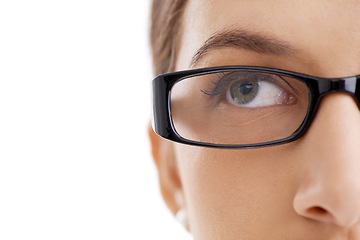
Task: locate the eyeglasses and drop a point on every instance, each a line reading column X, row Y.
column 240, row 106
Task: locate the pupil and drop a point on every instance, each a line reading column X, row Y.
column 246, row 88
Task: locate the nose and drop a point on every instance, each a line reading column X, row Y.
column 329, row 188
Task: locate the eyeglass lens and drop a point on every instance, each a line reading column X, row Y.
column 238, row 107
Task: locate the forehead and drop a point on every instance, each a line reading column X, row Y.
column 326, row 32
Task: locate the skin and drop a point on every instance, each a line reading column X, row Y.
column 308, row 189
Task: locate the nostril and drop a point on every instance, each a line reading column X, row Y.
column 317, row 211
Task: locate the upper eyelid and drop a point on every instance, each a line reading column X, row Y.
column 224, row 81
column 290, row 86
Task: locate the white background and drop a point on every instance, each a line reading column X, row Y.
column 74, row 107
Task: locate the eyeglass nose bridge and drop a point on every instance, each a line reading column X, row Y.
column 320, row 88
column 350, row 85
column 337, row 85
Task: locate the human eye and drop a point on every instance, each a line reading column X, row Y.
column 252, row 89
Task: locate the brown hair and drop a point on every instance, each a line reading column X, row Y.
column 165, row 33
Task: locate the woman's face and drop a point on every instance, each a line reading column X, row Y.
column 308, row 189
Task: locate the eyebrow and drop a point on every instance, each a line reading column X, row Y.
column 255, row 42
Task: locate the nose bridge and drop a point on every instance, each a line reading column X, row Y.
column 336, row 129
column 331, row 149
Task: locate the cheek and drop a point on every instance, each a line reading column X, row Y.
column 236, row 192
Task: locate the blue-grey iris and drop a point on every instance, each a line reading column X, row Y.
column 245, row 91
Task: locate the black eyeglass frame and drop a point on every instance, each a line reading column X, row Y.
column 318, row 88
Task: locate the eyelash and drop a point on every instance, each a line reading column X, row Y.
column 224, row 80
column 218, row 86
